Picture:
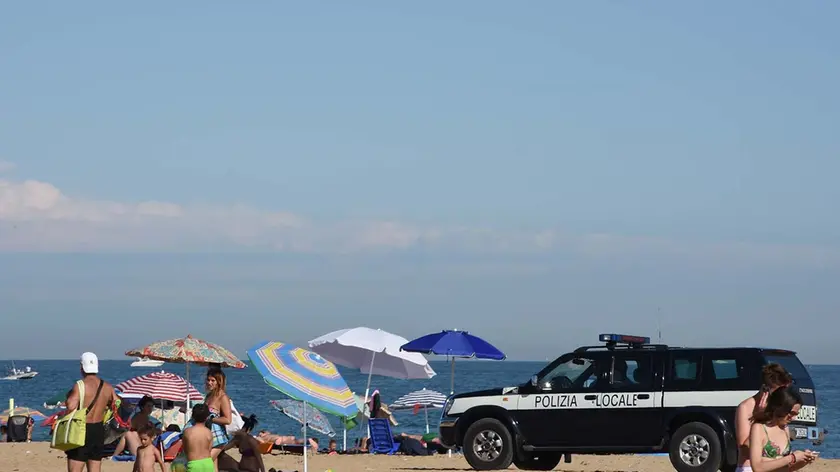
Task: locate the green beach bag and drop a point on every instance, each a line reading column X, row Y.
column 70, row 429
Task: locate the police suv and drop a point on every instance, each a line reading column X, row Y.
column 623, row 396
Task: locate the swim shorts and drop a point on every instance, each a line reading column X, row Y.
column 201, row 465
column 94, row 448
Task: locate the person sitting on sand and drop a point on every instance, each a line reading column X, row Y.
column 332, row 447
column 280, row 440
column 770, row 431
column 147, row 454
column 198, row 441
column 139, row 420
column 249, row 449
column 773, row 377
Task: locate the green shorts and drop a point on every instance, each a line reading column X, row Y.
column 201, row 465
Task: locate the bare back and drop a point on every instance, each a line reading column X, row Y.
column 96, row 412
column 198, row 441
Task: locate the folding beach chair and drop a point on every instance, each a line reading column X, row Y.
column 381, row 438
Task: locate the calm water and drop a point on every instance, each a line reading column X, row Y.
column 251, row 394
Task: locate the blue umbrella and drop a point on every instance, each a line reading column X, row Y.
column 454, row 343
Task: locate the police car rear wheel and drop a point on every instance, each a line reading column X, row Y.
column 543, row 461
column 695, row 447
column 488, row 445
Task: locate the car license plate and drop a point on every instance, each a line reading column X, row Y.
column 807, row 414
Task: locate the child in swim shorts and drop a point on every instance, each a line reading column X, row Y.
column 198, row 441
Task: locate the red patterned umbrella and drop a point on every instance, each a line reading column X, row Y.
column 160, row 386
column 188, row 350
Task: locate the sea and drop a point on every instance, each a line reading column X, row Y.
column 251, row 394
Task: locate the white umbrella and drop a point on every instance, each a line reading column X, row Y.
column 372, row 351
column 421, row 398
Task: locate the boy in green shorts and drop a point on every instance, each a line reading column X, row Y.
column 198, row 440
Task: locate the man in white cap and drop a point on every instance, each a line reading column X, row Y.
column 99, row 394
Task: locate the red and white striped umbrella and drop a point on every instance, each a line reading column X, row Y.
column 160, row 386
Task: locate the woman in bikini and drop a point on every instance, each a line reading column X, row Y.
column 218, row 402
column 769, row 436
column 773, row 376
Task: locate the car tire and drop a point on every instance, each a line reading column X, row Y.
column 542, row 461
column 488, row 445
column 695, row 447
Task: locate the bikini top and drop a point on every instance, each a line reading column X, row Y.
column 772, row 450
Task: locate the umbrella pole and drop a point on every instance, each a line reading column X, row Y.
column 452, row 386
column 345, row 437
column 305, row 442
column 367, row 391
column 426, row 409
column 187, row 410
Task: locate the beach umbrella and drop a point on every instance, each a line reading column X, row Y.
column 159, row 386
column 421, row 398
column 298, row 410
column 188, row 350
column 454, row 343
column 21, row 411
column 372, row 351
column 305, row 376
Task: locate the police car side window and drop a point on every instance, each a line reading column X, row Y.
column 685, row 371
column 631, row 372
column 579, row 372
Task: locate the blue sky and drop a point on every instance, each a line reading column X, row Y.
column 535, row 174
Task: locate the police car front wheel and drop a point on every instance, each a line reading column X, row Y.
column 488, row 445
column 695, row 447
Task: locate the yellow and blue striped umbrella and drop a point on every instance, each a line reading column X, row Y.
column 305, row 376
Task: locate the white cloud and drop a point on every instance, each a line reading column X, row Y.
column 37, row 216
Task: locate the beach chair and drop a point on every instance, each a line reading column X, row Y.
column 381, row 438
column 289, row 448
column 17, row 428
column 265, row 447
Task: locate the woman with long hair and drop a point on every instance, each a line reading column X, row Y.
column 773, row 377
column 769, row 437
column 218, row 402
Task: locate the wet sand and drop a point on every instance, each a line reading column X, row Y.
column 38, row 457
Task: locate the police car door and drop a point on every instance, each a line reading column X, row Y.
column 554, row 412
column 631, row 400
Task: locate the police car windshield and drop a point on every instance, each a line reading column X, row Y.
column 792, row 364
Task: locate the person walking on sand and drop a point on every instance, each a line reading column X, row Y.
column 773, row 377
column 99, row 394
column 147, row 454
column 769, row 432
column 198, row 441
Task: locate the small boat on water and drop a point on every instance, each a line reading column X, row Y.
column 146, row 362
column 17, row 374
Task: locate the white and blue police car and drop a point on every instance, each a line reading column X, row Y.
column 625, row 395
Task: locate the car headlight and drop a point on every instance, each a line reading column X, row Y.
column 447, row 405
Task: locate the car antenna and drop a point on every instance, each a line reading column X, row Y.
column 659, row 323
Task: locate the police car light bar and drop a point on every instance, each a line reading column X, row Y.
column 623, row 339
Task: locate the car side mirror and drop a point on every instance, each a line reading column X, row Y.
column 534, row 381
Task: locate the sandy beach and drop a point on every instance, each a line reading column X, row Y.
column 38, row 457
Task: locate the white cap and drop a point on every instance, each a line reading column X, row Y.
column 90, row 363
